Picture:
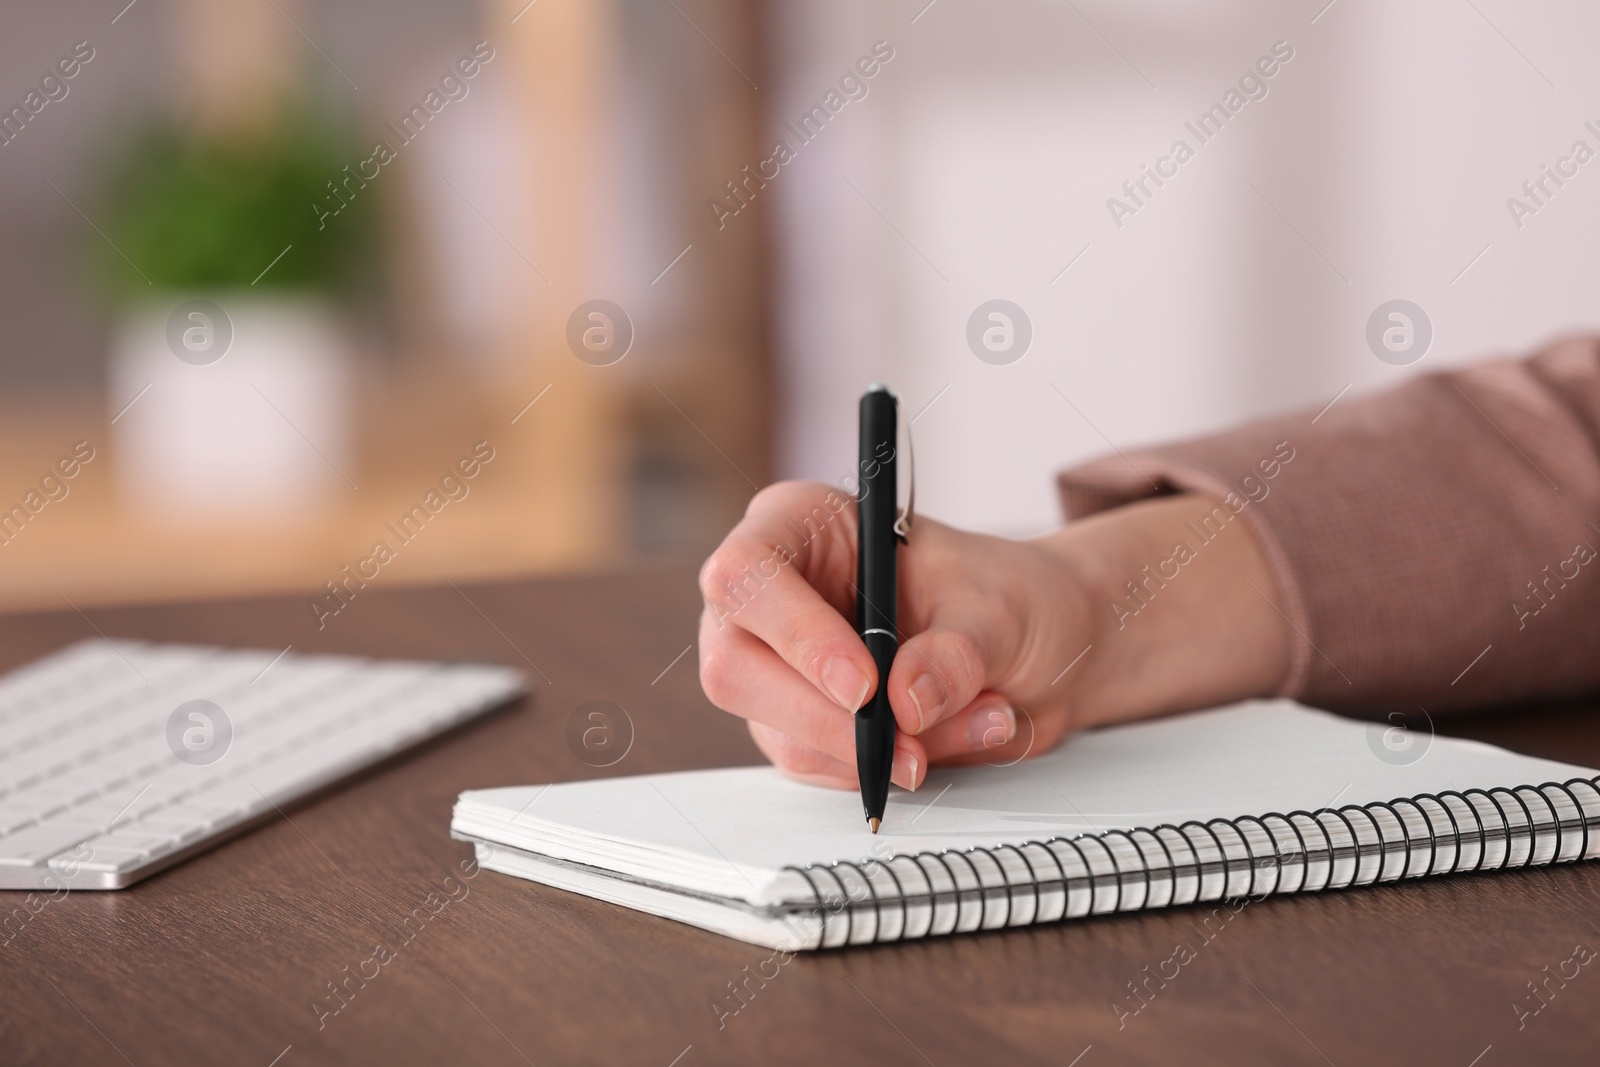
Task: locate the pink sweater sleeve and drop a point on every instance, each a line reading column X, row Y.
column 1433, row 545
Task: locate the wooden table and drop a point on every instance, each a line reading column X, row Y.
column 225, row 958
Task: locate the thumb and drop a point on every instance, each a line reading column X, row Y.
column 935, row 674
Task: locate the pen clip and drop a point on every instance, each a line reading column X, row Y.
column 902, row 522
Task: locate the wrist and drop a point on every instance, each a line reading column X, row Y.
column 1179, row 605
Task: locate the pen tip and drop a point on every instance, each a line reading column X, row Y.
column 874, row 824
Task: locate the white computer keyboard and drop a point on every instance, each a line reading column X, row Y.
column 119, row 758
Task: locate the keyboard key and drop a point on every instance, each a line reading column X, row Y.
column 14, row 819
column 31, row 847
column 201, row 813
column 105, row 810
column 110, row 860
column 140, row 839
column 178, row 831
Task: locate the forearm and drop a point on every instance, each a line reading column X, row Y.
column 1432, row 544
column 1181, row 608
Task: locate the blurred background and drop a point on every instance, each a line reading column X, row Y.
column 280, row 269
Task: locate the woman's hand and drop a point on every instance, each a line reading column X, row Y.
column 1005, row 645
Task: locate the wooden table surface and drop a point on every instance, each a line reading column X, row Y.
column 225, row 958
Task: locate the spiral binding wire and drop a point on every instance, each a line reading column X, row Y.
column 931, row 894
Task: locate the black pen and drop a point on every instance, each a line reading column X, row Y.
column 876, row 590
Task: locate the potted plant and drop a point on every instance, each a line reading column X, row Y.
column 229, row 375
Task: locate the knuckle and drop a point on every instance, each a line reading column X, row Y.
column 726, row 580
column 717, row 674
column 781, row 495
column 769, row 497
column 717, row 572
column 965, row 659
column 735, row 575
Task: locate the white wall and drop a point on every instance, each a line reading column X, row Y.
column 1377, row 167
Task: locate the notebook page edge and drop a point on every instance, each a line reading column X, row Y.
column 488, row 813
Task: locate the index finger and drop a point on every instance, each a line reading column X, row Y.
column 765, row 578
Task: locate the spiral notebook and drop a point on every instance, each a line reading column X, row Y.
column 1245, row 801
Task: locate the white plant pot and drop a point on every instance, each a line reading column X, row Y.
column 242, row 409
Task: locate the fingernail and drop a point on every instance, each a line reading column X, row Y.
column 927, row 693
column 905, row 769
column 845, row 683
column 993, row 725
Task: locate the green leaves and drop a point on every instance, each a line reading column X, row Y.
column 202, row 211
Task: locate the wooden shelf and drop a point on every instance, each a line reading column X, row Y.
column 91, row 547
